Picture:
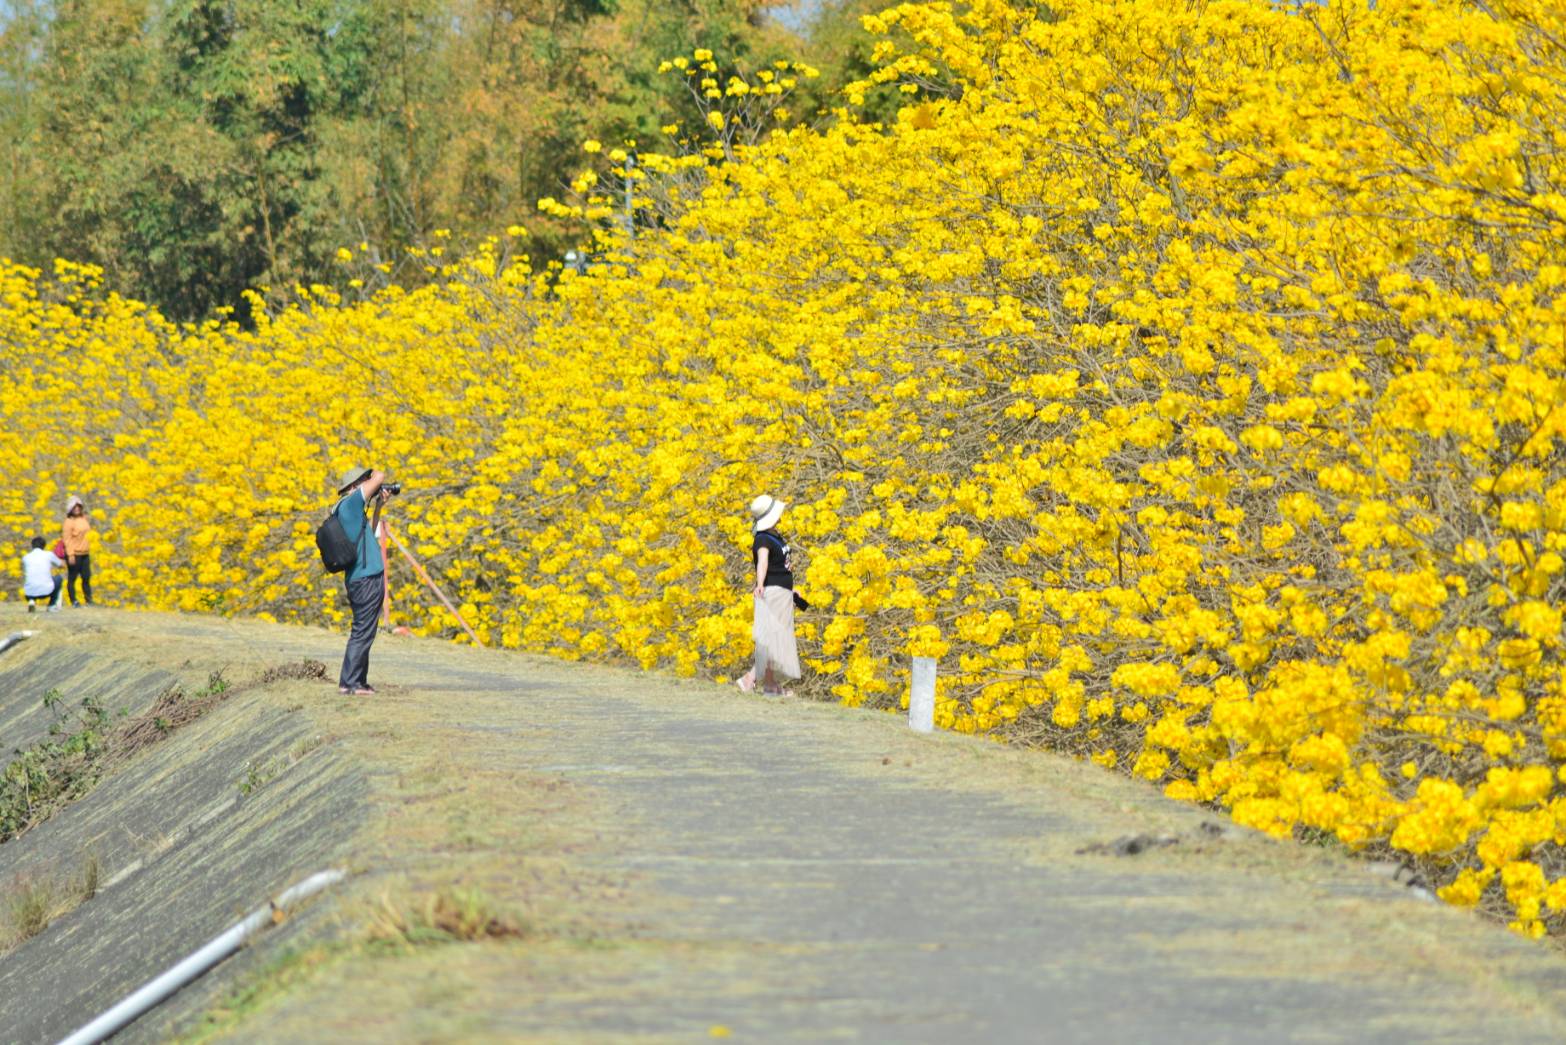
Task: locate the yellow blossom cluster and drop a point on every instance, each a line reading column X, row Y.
column 1189, row 379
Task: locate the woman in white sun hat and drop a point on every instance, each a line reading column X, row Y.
column 777, row 657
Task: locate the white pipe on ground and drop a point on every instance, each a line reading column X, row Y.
column 13, row 638
column 154, row 991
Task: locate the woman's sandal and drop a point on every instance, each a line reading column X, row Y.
column 745, row 683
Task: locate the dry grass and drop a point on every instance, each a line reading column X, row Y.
column 447, row 915
column 91, row 872
column 29, row 905
column 31, row 902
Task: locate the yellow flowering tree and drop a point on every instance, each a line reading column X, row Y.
column 1189, row 381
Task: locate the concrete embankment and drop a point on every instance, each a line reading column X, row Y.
column 174, row 843
column 553, row 852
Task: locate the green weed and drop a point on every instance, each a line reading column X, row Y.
column 258, row 774
column 57, row 769
column 271, row 979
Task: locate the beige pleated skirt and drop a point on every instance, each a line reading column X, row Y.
column 774, row 635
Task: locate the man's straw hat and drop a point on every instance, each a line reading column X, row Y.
column 350, row 477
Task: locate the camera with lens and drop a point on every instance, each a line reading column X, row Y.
column 392, row 488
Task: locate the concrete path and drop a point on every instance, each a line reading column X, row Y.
column 865, row 901
column 704, row 863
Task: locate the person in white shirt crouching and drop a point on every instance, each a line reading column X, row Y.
column 38, row 579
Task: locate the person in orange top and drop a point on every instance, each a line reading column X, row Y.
column 77, row 545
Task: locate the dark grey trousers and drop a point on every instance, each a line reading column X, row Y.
column 364, row 595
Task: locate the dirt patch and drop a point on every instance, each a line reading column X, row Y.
column 175, row 708
column 84, row 745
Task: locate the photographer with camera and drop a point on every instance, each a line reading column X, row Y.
column 365, row 578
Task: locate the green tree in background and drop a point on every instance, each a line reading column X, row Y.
column 840, row 46
column 180, row 146
column 247, row 86
column 21, row 38
column 94, row 70
column 197, row 148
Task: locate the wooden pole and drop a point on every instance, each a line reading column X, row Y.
column 425, row 577
column 380, row 535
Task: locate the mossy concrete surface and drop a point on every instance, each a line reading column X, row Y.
column 176, row 844
column 636, row 857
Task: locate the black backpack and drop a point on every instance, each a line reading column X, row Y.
column 337, row 551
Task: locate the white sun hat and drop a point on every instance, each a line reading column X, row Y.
column 766, row 510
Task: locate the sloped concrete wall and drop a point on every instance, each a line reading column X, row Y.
column 32, row 668
column 188, row 836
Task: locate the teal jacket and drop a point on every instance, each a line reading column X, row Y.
column 350, row 512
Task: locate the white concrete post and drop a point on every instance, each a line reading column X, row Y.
column 921, row 695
